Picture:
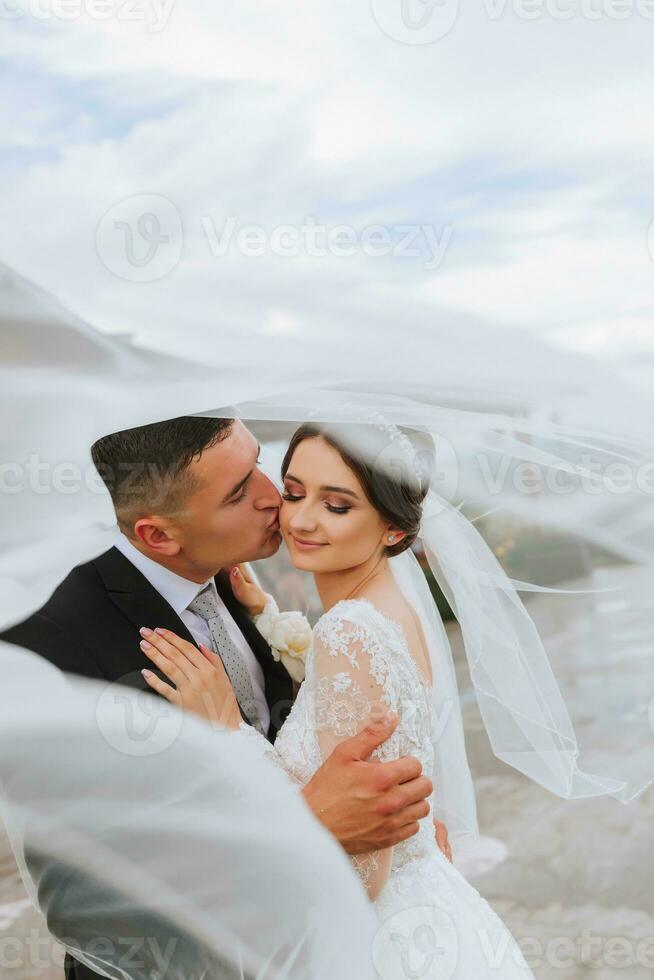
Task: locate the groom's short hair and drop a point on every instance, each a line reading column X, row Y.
column 147, row 468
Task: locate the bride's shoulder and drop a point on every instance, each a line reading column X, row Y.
column 351, row 620
column 354, row 636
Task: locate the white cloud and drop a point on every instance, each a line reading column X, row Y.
column 530, row 139
column 554, row 280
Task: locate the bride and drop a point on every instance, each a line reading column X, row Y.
column 344, row 518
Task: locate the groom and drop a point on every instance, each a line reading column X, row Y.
column 190, row 502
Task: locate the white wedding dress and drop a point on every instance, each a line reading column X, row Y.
column 433, row 925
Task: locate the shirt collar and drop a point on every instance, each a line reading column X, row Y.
column 178, row 591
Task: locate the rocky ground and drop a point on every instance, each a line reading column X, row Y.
column 577, row 882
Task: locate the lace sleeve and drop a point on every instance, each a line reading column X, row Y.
column 353, row 685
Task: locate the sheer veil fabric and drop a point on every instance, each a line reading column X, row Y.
column 160, row 846
column 196, row 833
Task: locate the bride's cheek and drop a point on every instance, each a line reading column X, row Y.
column 283, row 516
column 348, row 531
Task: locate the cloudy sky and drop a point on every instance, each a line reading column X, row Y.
column 176, row 166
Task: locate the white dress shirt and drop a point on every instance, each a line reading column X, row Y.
column 179, row 592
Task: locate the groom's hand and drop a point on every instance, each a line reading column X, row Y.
column 442, row 839
column 369, row 806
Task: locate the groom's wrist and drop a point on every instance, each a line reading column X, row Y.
column 313, row 802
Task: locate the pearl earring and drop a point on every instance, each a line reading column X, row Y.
column 391, row 539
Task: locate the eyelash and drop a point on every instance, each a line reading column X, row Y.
column 334, row 510
column 242, row 496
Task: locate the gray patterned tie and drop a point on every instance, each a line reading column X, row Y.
column 206, row 606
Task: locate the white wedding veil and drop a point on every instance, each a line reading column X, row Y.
column 196, row 839
column 156, row 845
column 521, row 705
column 454, row 801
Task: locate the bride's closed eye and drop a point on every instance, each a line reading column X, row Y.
column 293, row 498
column 337, row 510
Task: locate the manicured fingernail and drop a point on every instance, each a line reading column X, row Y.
column 160, row 630
column 144, row 645
column 144, row 631
column 146, row 673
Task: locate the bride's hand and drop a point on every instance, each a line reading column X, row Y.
column 201, row 682
column 246, row 590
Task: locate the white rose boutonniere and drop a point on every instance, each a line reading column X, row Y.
column 290, row 637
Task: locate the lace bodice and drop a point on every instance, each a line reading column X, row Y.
column 360, row 665
column 433, row 923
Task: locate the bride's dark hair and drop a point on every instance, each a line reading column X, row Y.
column 395, row 487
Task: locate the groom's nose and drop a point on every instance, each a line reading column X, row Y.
column 267, row 495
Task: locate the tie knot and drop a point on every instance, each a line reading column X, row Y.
column 205, row 603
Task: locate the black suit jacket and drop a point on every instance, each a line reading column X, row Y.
column 90, row 625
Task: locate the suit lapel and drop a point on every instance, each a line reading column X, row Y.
column 139, row 601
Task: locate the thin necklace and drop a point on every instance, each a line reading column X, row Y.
column 372, row 574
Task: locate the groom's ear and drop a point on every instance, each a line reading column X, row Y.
column 155, row 534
